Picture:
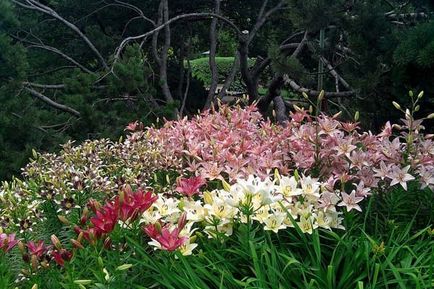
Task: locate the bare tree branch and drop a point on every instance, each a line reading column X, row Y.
column 67, row 57
column 189, row 16
column 278, row 81
column 44, row 86
column 137, row 9
column 332, row 70
column 311, row 92
column 35, row 5
column 263, row 17
column 187, row 88
column 231, row 76
column 52, row 103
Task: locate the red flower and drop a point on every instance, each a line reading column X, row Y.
column 37, row 249
column 60, row 256
column 105, row 219
column 190, row 186
column 7, row 242
column 133, row 204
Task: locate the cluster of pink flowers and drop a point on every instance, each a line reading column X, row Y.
column 230, row 143
column 236, row 142
column 37, row 253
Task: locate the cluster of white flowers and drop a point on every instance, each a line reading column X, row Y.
column 276, row 204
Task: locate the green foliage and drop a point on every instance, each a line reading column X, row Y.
column 314, row 14
column 201, row 71
column 400, row 256
column 227, row 45
column 284, row 64
column 416, row 46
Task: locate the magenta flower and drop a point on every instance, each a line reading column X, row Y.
column 37, row 249
column 190, row 186
column 170, row 240
column 7, row 242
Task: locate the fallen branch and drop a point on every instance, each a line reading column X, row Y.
column 311, row 92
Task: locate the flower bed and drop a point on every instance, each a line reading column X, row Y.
column 205, row 178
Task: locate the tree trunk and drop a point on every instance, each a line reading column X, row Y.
column 212, row 54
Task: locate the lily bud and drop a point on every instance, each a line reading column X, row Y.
column 76, row 244
column 410, row 93
column 107, row 243
column 155, row 178
column 121, row 196
column 226, row 186
column 356, row 116
column 430, row 116
column 83, row 282
column 124, row 267
column 63, row 220
column 94, row 205
column 158, row 227
column 22, row 247
column 35, row 286
column 100, row 262
column 276, row 175
column 321, row 95
column 310, row 108
column 83, row 218
column 56, row 242
column 182, row 221
column 305, row 95
column 417, row 108
column 296, row 175
column 127, row 189
column 296, row 107
column 420, row 95
column 336, row 115
column 396, row 105
column 207, row 197
column 34, row 261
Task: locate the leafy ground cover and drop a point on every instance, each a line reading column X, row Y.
column 227, row 200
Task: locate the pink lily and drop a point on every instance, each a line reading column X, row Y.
column 7, row 242
column 190, row 186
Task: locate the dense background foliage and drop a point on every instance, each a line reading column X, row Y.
column 380, row 48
